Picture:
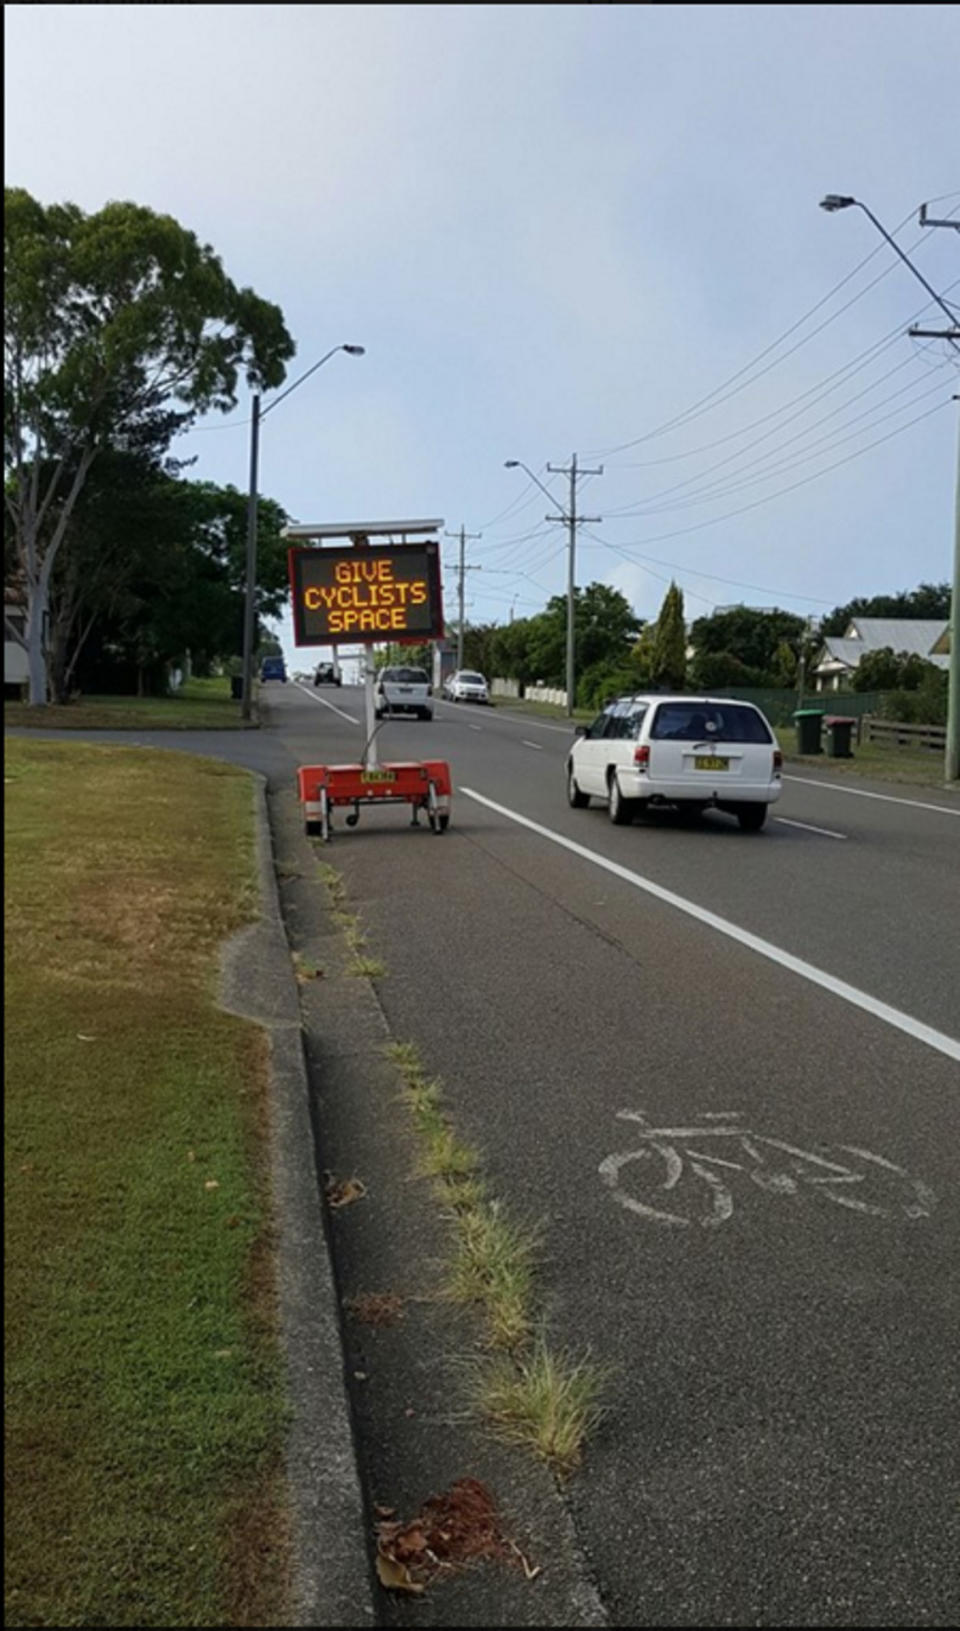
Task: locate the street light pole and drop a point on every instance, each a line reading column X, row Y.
column 571, row 519
column 250, row 590
column 952, row 759
column 249, row 603
column 836, row 201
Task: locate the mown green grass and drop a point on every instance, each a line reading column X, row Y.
column 918, row 767
column 144, row 1394
column 200, row 705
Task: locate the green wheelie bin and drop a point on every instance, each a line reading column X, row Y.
column 839, row 736
column 809, row 723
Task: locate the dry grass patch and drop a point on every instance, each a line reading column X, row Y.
column 528, row 1392
column 547, row 1401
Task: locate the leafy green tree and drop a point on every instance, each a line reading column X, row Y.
column 785, row 662
column 928, row 600
column 720, row 671
column 155, row 569
column 750, row 635
column 878, row 671
column 670, row 642
column 511, row 651
column 404, row 656
column 479, row 645
column 120, row 327
column 887, row 670
column 604, row 625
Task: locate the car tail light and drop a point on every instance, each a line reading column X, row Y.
column 777, row 759
column 641, row 756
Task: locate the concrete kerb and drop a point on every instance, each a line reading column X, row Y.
column 332, row 1584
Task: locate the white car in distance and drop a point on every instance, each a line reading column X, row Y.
column 467, row 686
column 403, row 691
column 692, row 752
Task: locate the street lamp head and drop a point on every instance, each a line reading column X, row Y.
column 835, row 201
column 511, row 464
column 354, row 350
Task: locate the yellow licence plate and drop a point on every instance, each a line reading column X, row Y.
column 711, row 764
column 368, row 776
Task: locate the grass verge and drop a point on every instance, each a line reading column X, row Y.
column 144, row 1393
column 199, row 705
column 916, row 767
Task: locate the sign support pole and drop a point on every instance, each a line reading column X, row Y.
column 370, row 710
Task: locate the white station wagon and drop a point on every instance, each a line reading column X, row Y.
column 694, row 752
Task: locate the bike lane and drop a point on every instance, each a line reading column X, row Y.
column 783, row 1403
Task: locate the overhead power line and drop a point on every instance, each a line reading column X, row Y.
column 737, row 381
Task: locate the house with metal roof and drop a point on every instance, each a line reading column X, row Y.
column 840, row 655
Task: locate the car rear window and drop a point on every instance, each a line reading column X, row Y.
column 406, row 676
column 709, row 722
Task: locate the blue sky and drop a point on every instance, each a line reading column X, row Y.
column 557, row 229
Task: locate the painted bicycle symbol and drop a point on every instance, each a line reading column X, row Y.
column 712, row 1154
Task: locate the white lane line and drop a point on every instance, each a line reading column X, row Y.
column 537, row 746
column 536, row 724
column 861, row 793
column 332, row 705
column 775, row 954
column 476, row 727
column 522, row 719
column 826, row 832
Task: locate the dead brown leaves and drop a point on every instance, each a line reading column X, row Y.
column 450, row 1532
column 376, row 1307
column 343, row 1191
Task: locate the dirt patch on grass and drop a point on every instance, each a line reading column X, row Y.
column 255, row 1579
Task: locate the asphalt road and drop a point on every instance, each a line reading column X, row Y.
column 782, row 1332
column 748, row 1177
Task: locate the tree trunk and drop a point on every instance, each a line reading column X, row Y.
column 36, row 660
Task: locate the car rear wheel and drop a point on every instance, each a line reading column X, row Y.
column 619, row 809
column 752, row 816
column 577, row 799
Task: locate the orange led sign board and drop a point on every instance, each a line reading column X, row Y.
column 367, row 593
